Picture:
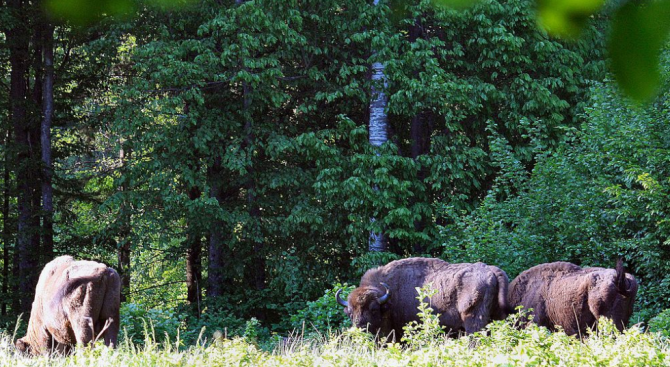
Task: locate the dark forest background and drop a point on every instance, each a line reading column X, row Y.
column 218, row 154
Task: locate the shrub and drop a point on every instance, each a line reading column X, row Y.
column 142, row 325
column 661, row 323
column 419, row 334
column 324, row 314
column 212, row 321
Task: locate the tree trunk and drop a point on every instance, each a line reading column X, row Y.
column 420, row 136
column 420, row 142
column 123, row 249
column 45, row 137
column 217, row 255
column 193, row 261
column 16, row 296
column 378, row 133
column 378, row 117
column 257, row 271
column 254, row 234
column 18, row 42
column 34, row 141
column 5, row 233
column 36, row 186
column 193, row 271
column 194, row 250
column 123, row 256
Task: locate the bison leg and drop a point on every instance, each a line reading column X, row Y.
column 83, row 330
column 42, row 343
column 110, row 335
column 108, row 323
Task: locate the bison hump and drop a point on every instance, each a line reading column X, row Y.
column 85, row 269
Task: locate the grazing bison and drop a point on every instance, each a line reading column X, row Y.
column 563, row 294
column 468, row 295
column 76, row 302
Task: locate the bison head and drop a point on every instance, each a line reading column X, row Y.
column 365, row 306
column 621, row 307
column 23, row 346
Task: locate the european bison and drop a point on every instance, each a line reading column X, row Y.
column 468, row 295
column 563, row 294
column 76, row 302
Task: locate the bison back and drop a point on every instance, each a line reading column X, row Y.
column 403, row 277
column 529, row 289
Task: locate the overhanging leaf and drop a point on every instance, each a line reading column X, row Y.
column 84, row 12
column 566, row 18
column 639, row 31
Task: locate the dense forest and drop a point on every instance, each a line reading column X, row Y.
column 237, row 160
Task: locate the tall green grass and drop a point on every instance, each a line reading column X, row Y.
column 500, row 345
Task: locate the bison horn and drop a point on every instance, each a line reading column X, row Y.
column 339, row 299
column 385, row 297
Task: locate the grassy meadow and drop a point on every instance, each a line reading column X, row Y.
column 500, row 345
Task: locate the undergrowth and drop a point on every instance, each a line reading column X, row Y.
column 425, row 344
column 500, row 344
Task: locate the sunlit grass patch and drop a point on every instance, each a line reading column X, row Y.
column 500, row 345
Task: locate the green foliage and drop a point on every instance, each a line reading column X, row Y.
column 210, row 323
column 601, row 195
column 457, row 4
column 227, row 125
column 492, row 67
column 639, row 32
column 323, row 315
column 251, row 331
column 251, row 120
column 146, row 326
column 371, row 260
column 186, row 113
column 661, row 323
column 423, row 333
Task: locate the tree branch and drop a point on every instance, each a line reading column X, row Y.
column 157, row 286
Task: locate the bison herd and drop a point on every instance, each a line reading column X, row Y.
column 469, row 296
column 77, row 302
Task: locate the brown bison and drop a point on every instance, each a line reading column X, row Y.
column 563, row 294
column 468, row 295
column 76, row 302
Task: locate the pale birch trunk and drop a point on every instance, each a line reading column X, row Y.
column 378, row 133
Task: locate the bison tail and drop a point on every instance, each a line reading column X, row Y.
column 110, row 309
column 620, row 280
column 503, row 308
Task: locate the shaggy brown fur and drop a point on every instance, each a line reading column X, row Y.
column 76, row 302
column 563, row 294
column 468, row 297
